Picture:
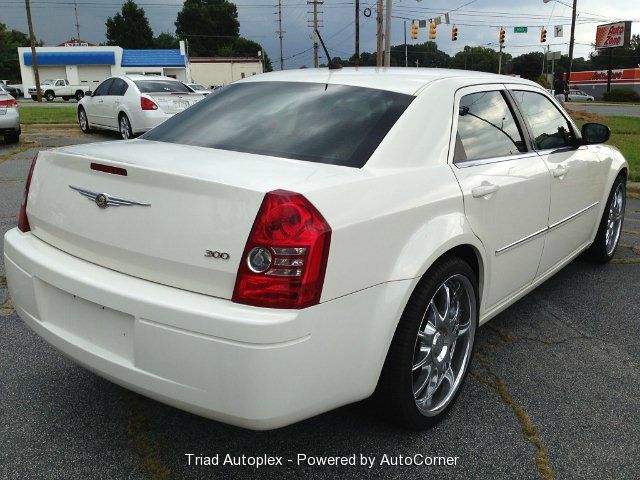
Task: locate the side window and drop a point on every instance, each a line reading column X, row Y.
column 118, row 87
column 103, row 88
column 486, row 128
column 549, row 127
column 60, row 83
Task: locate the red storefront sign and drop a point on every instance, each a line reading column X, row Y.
column 627, row 75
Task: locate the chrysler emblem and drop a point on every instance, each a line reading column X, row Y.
column 104, row 200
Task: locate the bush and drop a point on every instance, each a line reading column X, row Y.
column 543, row 82
column 621, row 95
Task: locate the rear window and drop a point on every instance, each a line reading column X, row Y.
column 161, row 86
column 317, row 122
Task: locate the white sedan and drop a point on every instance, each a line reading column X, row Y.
column 301, row 240
column 579, row 96
column 134, row 104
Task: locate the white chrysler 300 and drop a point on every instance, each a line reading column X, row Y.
column 301, row 240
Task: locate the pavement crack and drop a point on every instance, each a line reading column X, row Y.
column 3, row 281
column 6, row 308
column 137, row 430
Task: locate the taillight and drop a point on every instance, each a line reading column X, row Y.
column 285, row 258
column 23, row 221
column 148, row 104
column 11, row 103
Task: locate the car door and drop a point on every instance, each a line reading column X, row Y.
column 506, row 188
column 111, row 104
column 96, row 111
column 578, row 175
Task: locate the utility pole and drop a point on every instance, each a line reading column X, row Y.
column 387, row 35
column 75, row 9
column 406, row 53
column 315, row 37
column 379, row 35
column 280, row 32
column 571, row 41
column 500, row 61
column 32, row 41
column 357, row 59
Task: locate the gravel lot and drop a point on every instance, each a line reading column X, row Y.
column 553, row 391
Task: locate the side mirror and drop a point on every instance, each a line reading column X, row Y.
column 593, row 133
column 88, row 93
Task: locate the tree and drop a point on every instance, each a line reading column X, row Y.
column 528, row 65
column 208, row 24
column 129, row 28
column 166, row 41
column 480, row 59
column 10, row 40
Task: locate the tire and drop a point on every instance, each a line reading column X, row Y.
column 79, row 95
column 424, row 344
column 124, row 126
column 83, row 120
column 66, row 99
column 49, row 96
column 606, row 242
column 12, row 138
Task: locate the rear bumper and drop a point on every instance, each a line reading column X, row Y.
column 148, row 119
column 251, row 367
column 10, row 122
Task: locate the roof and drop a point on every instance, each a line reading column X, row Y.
column 225, row 59
column 71, row 57
column 397, row 79
column 152, row 58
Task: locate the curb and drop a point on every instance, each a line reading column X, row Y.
column 50, row 126
column 633, row 187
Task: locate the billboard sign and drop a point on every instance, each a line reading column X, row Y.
column 613, row 35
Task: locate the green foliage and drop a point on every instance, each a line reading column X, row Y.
column 10, row 40
column 129, row 28
column 528, row 65
column 627, row 57
column 481, row 59
column 543, row 82
column 621, row 95
column 208, row 25
column 166, row 41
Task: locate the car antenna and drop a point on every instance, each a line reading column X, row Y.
column 330, row 63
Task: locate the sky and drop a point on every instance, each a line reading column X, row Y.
column 478, row 23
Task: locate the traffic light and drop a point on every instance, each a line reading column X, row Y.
column 501, row 38
column 414, row 31
column 454, row 33
column 543, row 35
column 432, row 31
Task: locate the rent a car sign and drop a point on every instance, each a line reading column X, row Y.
column 613, row 35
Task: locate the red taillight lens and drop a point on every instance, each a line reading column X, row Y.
column 285, row 258
column 23, row 221
column 148, row 104
column 11, row 103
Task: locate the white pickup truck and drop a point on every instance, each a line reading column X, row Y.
column 59, row 88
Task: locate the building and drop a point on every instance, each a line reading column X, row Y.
column 218, row 71
column 594, row 82
column 89, row 65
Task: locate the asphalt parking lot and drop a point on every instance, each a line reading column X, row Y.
column 553, row 391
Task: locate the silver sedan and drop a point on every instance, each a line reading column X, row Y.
column 9, row 117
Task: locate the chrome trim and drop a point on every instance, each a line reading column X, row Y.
column 104, row 200
column 572, row 216
column 545, row 229
column 522, row 240
column 486, row 161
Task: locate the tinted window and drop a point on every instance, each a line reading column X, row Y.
column 161, row 86
column 486, row 128
column 118, row 87
column 334, row 124
column 549, row 127
column 103, row 88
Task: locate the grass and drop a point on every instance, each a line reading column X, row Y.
column 625, row 135
column 47, row 115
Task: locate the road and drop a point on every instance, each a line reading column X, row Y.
column 607, row 109
column 553, row 392
column 58, row 102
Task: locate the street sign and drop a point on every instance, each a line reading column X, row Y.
column 557, row 31
column 554, row 55
column 613, row 35
column 520, row 29
column 422, row 23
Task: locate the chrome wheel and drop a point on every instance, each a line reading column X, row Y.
column 614, row 220
column 82, row 117
column 443, row 345
column 125, row 127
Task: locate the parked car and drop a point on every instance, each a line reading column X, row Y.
column 196, row 87
column 9, row 117
column 299, row 241
column 579, row 96
column 60, row 87
column 133, row 104
column 13, row 90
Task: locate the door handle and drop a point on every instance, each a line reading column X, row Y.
column 484, row 190
column 560, row 171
